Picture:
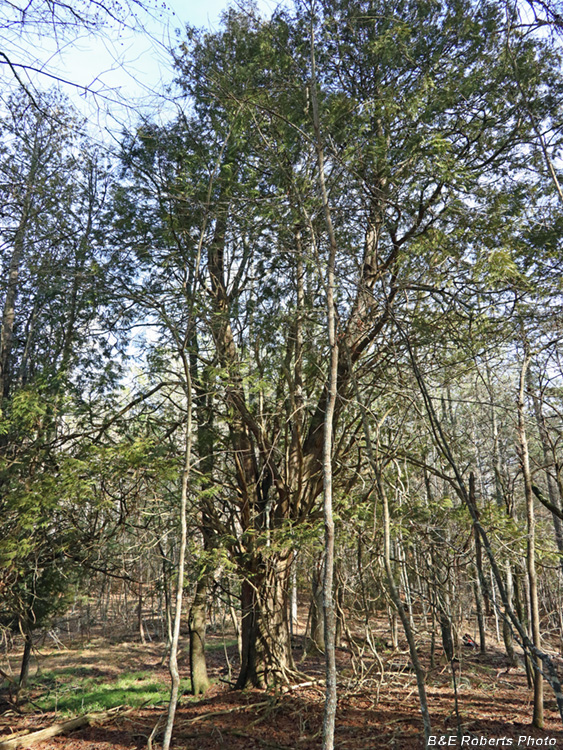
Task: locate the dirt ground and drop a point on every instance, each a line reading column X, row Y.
column 378, row 711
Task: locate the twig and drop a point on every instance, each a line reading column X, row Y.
column 154, row 731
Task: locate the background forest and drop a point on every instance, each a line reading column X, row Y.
column 295, row 354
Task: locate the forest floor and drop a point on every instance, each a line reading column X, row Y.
column 378, row 711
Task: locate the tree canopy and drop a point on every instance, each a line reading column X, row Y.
column 333, row 280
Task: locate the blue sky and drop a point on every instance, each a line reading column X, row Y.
column 127, row 68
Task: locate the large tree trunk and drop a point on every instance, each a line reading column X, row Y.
column 266, row 641
column 266, row 644
column 250, row 664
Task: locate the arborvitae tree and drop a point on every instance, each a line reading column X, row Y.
column 53, row 349
column 422, row 130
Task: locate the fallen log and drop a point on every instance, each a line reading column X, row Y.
column 32, row 738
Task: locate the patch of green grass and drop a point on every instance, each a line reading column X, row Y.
column 220, row 645
column 76, row 693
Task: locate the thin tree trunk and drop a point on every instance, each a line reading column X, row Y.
column 173, row 659
column 9, row 309
column 479, row 610
column 206, row 455
column 552, row 487
column 446, row 630
column 443, row 445
column 196, row 622
column 480, row 594
column 317, row 616
column 140, row 602
column 329, row 717
column 26, row 658
column 506, row 629
column 234, row 619
column 417, row 666
column 538, row 719
column 293, row 597
column 495, row 607
column 419, row 671
column 167, row 623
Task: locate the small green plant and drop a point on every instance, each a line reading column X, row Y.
column 71, row 692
